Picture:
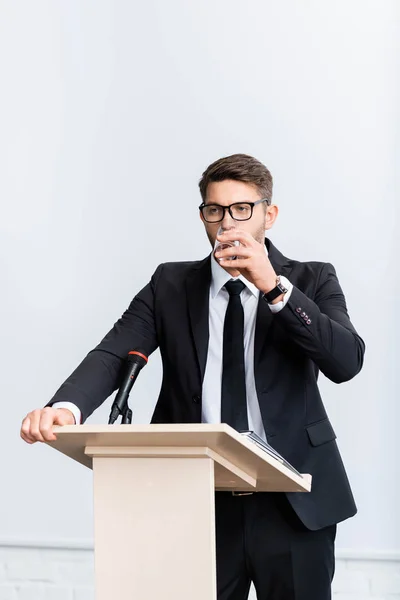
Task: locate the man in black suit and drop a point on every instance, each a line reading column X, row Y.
column 242, row 341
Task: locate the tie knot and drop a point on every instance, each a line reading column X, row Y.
column 234, row 287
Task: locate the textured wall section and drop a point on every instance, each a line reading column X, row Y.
column 38, row 573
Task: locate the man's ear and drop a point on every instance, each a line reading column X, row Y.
column 271, row 215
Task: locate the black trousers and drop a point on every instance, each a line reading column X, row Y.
column 260, row 539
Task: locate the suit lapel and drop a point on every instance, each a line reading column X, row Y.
column 198, row 293
column 265, row 317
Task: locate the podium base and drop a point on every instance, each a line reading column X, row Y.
column 159, row 514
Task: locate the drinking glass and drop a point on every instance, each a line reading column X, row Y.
column 221, row 245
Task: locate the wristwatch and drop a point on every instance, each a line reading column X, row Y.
column 276, row 291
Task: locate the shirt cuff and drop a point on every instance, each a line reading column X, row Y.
column 275, row 308
column 72, row 407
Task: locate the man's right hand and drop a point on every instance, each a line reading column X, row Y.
column 38, row 424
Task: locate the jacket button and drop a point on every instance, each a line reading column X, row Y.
column 298, row 309
column 308, row 321
column 303, row 314
column 196, row 399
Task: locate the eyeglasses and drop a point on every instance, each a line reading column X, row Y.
column 239, row 211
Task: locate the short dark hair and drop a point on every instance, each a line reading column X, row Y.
column 239, row 167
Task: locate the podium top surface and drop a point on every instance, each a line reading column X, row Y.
column 223, row 443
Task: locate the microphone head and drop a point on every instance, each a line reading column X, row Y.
column 138, row 356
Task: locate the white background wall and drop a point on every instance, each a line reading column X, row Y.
column 110, row 111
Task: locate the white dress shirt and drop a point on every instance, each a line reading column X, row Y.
column 219, row 298
column 211, row 389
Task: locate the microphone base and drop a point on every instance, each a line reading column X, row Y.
column 126, row 416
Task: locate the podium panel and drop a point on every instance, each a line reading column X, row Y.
column 154, row 528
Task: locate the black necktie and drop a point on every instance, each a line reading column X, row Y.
column 233, row 392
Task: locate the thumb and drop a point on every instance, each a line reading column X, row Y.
column 64, row 416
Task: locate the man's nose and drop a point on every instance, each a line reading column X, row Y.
column 227, row 222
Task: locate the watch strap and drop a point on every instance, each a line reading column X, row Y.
column 278, row 290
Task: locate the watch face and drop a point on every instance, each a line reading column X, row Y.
column 282, row 288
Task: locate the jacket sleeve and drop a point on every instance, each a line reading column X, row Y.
column 99, row 374
column 322, row 328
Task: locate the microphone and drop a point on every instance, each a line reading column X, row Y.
column 136, row 360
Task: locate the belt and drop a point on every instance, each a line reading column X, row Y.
column 242, row 493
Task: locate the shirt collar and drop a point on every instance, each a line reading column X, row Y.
column 219, row 277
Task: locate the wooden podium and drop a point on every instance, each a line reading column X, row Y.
column 154, row 516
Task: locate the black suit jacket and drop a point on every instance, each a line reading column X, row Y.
column 311, row 333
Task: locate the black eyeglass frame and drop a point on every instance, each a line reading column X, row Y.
column 228, row 208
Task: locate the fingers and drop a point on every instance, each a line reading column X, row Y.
column 234, row 251
column 38, row 426
column 25, row 431
column 244, row 237
column 32, row 431
column 48, row 418
column 238, row 264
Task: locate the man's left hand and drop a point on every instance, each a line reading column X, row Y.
column 252, row 262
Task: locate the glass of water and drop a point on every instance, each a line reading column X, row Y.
column 222, row 245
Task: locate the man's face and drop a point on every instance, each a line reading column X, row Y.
column 228, row 192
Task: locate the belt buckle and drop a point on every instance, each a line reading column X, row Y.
column 242, row 493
